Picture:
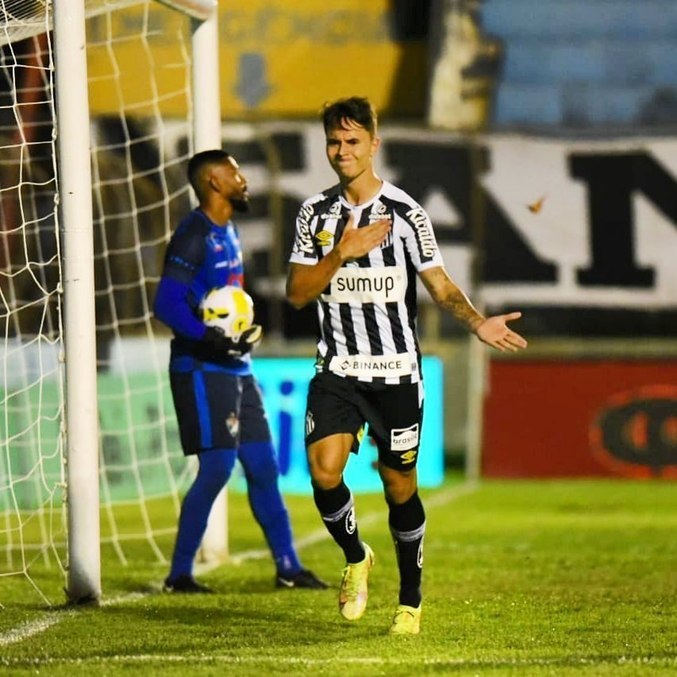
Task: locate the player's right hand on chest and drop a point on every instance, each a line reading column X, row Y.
column 356, row 242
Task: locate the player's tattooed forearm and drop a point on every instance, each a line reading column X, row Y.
column 459, row 306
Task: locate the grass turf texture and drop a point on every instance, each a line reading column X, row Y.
column 531, row 578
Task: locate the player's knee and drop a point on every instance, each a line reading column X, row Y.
column 327, row 460
column 323, row 475
column 325, row 479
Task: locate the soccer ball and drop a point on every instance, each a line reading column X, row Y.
column 229, row 308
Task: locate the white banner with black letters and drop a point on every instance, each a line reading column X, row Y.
column 579, row 234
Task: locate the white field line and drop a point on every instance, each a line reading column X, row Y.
column 26, row 630
column 382, row 661
column 35, row 627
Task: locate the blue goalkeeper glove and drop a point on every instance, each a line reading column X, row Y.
column 236, row 346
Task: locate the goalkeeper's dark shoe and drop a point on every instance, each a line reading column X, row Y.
column 185, row 585
column 303, row 579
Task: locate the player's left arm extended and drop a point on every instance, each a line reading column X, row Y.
column 493, row 331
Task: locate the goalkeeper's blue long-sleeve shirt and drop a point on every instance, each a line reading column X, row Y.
column 200, row 257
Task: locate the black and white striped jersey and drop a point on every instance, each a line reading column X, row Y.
column 367, row 312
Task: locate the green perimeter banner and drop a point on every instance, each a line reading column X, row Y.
column 140, row 453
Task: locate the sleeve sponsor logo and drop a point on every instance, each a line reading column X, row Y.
column 424, row 232
column 367, row 285
column 303, row 244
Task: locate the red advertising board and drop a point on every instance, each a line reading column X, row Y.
column 581, row 418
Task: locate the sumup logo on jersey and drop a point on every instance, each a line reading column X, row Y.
column 386, row 284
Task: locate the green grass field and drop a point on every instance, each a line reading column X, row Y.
column 531, row 578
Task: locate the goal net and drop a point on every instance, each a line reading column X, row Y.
column 139, row 66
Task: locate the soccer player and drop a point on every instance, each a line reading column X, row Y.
column 217, row 400
column 357, row 250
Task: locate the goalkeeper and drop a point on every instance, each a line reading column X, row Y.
column 217, row 400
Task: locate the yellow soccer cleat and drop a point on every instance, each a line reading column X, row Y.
column 353, row 591
column 407, row 620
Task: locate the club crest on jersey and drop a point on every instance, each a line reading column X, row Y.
column 233, row 424
column 387, row 241
column 404, row 439
column 215, row 244
column 324, row 238
column 379, row 212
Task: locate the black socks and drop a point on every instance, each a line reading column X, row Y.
column 407, row 526
column 338, row 513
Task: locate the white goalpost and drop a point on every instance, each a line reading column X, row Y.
column 75, row 216
column 88, row 447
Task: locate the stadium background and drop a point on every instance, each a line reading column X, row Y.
column 539, row 136
column 486, row 110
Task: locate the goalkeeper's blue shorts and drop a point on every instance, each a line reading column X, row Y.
column 393, row 413
column 216, row 410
